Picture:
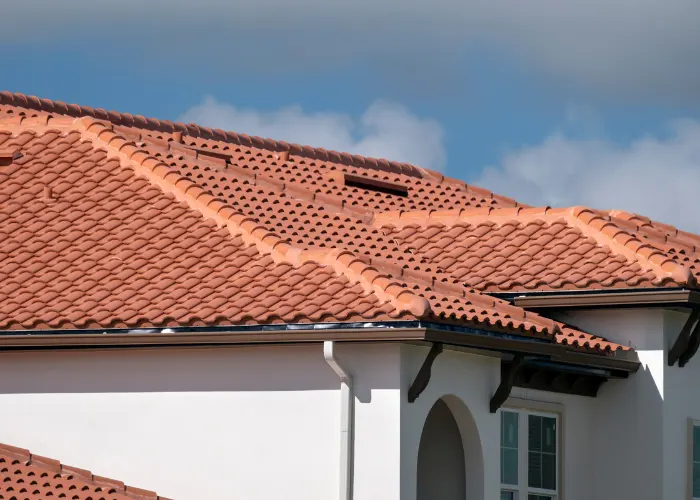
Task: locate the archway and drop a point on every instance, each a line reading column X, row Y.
column 450, row 460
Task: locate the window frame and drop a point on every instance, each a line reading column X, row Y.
column 524, row 408
column 692, row 423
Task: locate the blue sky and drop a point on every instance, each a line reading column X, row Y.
column 530, row 107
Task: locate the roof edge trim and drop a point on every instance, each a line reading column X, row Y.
column 603, row 298
column 398, row 331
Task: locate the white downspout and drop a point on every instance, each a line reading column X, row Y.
column 347, row 421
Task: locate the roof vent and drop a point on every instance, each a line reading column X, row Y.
column 8, row 156
column 370, row 184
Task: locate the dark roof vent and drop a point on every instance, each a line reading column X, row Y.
column 371, row 184
column 7, row 156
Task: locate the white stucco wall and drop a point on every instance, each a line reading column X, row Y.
column 254, row 423
column 639, row 427
column 473, row 379
column 629, row 442
column 681, row 402
column 263, row 422
column 469, row 381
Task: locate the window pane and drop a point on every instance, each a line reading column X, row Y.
column 534, row 433
column 549, row 471
column 540, row 497
column 534, row 470
column 696, row 443
column 549, row 434
column 509, row 429
column 696, row 480
column 542, row 448
column 509, row 466
column 509, row 447
column 507, row 495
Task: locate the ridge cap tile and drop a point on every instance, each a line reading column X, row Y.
column 47, row 105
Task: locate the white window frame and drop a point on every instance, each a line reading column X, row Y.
column 525, row 408
column 692, row 423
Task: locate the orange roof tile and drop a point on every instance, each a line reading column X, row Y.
column 25, row 476
column 540, row 249
column 111, row 220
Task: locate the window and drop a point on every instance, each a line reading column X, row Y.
column 695, row 461
column 529, row 455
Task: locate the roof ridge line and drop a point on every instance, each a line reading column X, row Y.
column 655, row 226
column 39, row 124
column 127, row 119
column 344, row 262
column 53, row 465
column 588, row 221
column 452, row 217
column 606, row 232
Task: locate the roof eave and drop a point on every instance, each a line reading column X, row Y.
column 618, row 361
column 593, row 299
column 399, row 331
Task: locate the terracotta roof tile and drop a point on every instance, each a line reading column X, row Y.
column 585, row 341
column 26, row 476
column 535, row 249
column 114, row 220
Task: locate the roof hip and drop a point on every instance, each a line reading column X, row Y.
column 344, row 262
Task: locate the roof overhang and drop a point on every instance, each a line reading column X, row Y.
column 595, row 299
column 391, row 331
column 525, row 361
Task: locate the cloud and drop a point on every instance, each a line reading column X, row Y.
column 655, row 176
column 385, row 129
column 636, row 48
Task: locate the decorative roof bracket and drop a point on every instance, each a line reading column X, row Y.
column 687, row 342
column 423, row 378
column 508, row 374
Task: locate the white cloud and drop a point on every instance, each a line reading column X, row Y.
column 628, row 47
column 655, row 176
column 385, row 129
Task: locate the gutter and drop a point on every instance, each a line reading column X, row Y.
column 582, row 299
column 305, row 333
column 347, row 421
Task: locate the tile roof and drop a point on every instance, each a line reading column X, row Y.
column 25, row 476
column 114, row 220
column 541, row 248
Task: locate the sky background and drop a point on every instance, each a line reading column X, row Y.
column 550, row 102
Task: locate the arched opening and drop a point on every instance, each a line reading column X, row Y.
column 450, row 460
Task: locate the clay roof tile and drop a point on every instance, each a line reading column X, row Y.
column 160, row 222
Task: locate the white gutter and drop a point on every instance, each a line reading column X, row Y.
column 347, row 421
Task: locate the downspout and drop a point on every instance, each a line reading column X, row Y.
column 347, row 421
